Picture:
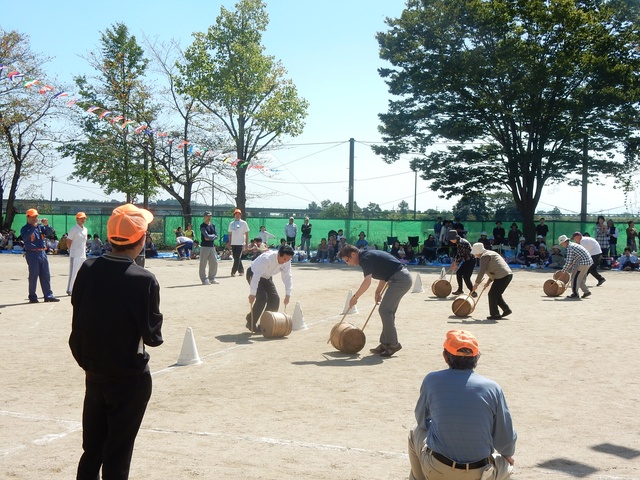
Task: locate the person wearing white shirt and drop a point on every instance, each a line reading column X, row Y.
column 593, row 247
column 291, row 231
column 77, row 244
column 265, row 236
column 262, row 291
column 239, row 240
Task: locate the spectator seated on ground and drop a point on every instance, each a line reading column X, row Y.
column 52, row 245
column 195, row 253
column 395, row 250
column 485, row 241
column 539, row 241
column 429, row 249
column 323, row 251
column 532, row 259
column 628, row 260
column 226, row 252
column 556, row 259
column 259, row 248
column 333, row 248
column 362, row 243
column 409, row 254
column 63, row 246
column 150, row 250
column 95, row 247
column 543, row 255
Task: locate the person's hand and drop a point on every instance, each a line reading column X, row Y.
column 488, row 282
column 252, row 298
column 475, row 287
column 509, row 459
column 286, row 299
column 378, row 296
column 353, row 301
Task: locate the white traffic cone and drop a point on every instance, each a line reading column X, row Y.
column 417, row 285
column 346, row 309
column 298, row 318
column 189, row 354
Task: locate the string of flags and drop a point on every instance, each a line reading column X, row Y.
column 34, row 84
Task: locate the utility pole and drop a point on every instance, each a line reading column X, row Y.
column 213, row 192
column 51, row 195
column 415, row 193
column 351, row 167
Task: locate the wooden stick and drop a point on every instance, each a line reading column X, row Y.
column 374, row 306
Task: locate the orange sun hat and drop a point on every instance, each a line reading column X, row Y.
column 128, row 224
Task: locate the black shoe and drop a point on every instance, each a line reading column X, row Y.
column 34, row 300
column 586, row 294
column 600, row 282
column 379, row 349
column 51, row 299
column 474, row 294
column 506, row 313
column 457, row 292
column 574, row 295
column 391, row 349
column 494, row 317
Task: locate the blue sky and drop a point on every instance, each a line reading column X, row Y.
column 331, row 54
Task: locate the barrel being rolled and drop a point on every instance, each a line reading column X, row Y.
column 463, row 306
column 441, row 288
column 275, row 324
column 562, row 276
column 347, row 338
column 554, row 288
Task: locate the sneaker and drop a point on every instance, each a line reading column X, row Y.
column 574, row 295
column 391, row 349
column 214, row 282
column 506, row 313
column 457, row 292
column 206, row 282
column 34, row 300
column 51, row 299
column 586, row 294
column 494, row 317
column 601, row 281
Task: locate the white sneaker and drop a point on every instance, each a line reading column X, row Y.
column 206, row 282
column 213, row 282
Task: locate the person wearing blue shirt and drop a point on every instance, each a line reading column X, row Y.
column 33, row 236
column 464, row 428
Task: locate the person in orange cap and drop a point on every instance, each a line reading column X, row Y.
column 33, row 236
column 77, row 246
column 239, row 240
column 464, row 428
column 110, row 328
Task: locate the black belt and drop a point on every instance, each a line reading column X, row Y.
column 460, row 466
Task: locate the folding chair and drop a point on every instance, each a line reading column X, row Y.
column 414, row 241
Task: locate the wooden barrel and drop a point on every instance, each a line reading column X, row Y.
column 275, row 324
column 562, row 276
column 347, row 338
column 441, row 288
column 554, row 288
column 463, row 306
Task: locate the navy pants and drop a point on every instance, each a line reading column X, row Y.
column 112, row 414
column 38, row 269
column 464, row 272
column 236, row 250
column 267, row 298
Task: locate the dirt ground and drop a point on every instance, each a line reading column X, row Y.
column 295, row 408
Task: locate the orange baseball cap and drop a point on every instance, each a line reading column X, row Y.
column 237, row 210
column 81, row 215
column 457, row 340
column 128, row 224
column 32, row 212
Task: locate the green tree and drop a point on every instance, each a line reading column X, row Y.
column 186, row 168
column 372, row 210
column 228, row 73
column 107, row 152
column 403, row 208
column 519, row 86
column 472, row 207
column 26, row 132
column 333, row 210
